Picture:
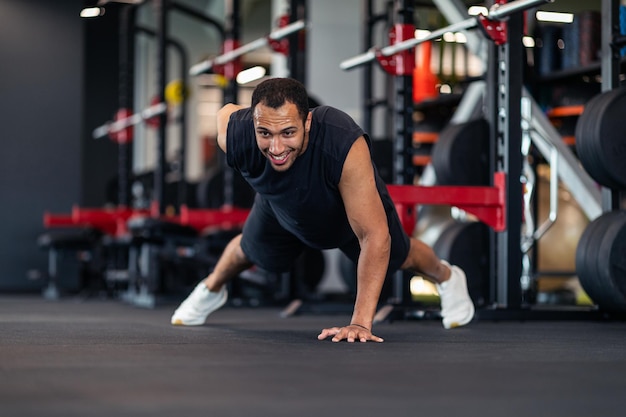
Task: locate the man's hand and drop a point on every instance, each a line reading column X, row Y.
column 351, row 333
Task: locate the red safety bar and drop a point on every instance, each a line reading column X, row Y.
column 224, row 218
column 110, row 221
column 58, row 220
column 486, row 203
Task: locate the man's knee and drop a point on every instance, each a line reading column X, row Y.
column 238, row 252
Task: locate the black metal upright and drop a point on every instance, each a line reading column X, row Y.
column 182, row 119
column 509, row 160
column 610, row 70
column 368, row 41
column 403, row 141
column 297, row 42
column 231, row 92
column 160, row 11
column 126, row 88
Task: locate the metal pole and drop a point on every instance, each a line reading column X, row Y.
column 403, row 172
column 510, row 71
column 182, row 120
column 160, row 7
column 610, row 77
column 297, row 48
column 367, row 69
column 249, row 47
column 126, row 87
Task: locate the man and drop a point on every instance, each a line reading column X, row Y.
column 316, row 185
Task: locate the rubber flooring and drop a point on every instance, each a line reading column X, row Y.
column 106, row 358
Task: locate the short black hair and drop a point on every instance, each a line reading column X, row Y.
column 274, row 92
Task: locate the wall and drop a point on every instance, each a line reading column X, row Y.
column 335, row 35
column 40, row 85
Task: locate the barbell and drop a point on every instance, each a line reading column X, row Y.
column 498, row 12
column 125, row 122
column 229, row 56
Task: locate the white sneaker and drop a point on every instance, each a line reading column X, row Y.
column 198, row 305
column 457, row 308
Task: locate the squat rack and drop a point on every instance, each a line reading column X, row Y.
column 503, row 108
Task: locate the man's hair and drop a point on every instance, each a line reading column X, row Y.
column 276, row 91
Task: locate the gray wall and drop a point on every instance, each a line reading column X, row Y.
column 334, row 36
column 53, row 91
column 40, row 86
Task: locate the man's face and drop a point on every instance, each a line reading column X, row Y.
column 280, row 134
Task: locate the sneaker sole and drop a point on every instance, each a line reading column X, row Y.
column 461, row 323
column 180, row 322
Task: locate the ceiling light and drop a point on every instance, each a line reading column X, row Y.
column 528, row 41
column 92, row 12
column 421, row 33
column 476, row 10
column 554, row 17
column 250, row 74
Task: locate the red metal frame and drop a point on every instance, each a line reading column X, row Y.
column 230, row 69
column 224, row 218
column 495, row 30
column 281, row 45
column 486, row 203
column 402, row 63
column 114, row 221
column 109, row 221
column 124, row 135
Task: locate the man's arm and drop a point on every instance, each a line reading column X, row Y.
column 367, row 218
column 223, row 116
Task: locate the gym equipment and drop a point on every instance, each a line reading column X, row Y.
column 71, row 259
column 600, row 261
column 466, row 244
column 236, row 52
column 600, row 140
column 461, row 154
column 125, row 119
column 497, row 13
column 486, row 203
column 110, row 221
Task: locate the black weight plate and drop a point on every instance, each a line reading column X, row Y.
column 585, row 128
column 585, row 133
column 461, row 154
column 600, row 134
column 586, row 256
column 611, row 141
column 466, row 244
column 612, row 261
column 595, row 143
column 591, row 260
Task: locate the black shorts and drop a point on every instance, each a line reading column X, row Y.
column 269, row 246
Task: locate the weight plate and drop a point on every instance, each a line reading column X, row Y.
column 598, row 263
column 466, row 244
column 461, row 154
column 600, row 140
column 611, row 261
column 586, row 255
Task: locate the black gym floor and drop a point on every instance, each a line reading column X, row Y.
column 105, row 358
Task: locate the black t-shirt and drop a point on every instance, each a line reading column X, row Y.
column 305, row 198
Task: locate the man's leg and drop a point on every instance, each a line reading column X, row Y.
column 457, row 308
column 232, row 262
column 211, row 294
